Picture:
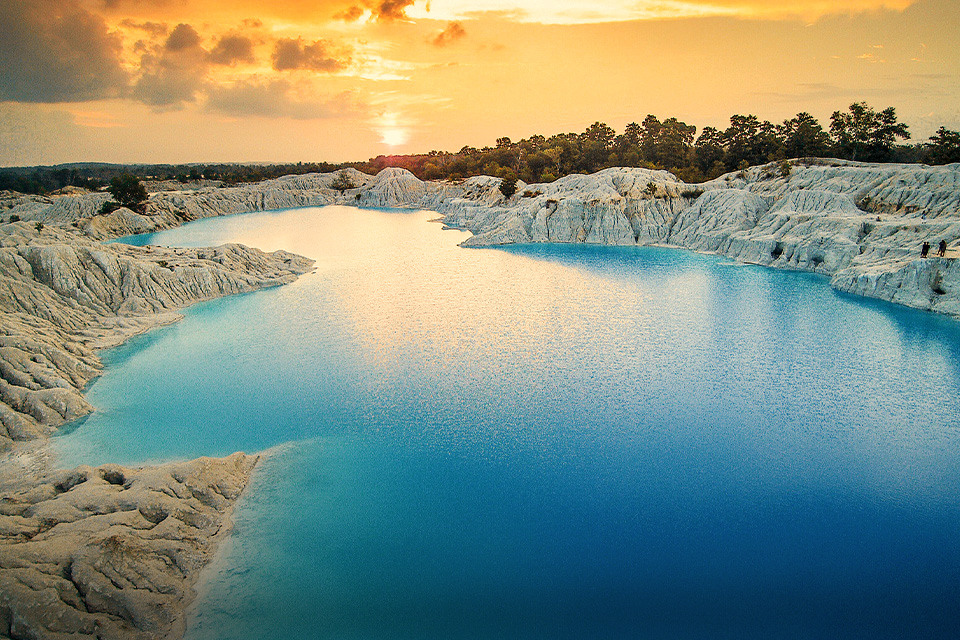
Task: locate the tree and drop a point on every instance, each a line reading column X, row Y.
column 129, row 192
column 672, row 145
column 341, row 182
column 943, row 148
column 649, row 136
column 709, row 151
column 803, row 137
column 749, row 140
column 600, row 132
column 864, row 134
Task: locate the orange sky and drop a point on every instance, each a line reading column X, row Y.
column 247, row 80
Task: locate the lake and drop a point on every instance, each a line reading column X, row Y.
column 550, row 441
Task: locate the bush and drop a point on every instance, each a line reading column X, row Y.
column 508, row 186
column 109, row 207
column 14, row 218
column 342, row 182
column 38, row 227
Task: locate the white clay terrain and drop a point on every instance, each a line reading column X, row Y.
column 110, row 552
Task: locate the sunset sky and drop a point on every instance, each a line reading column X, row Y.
column 336, row 80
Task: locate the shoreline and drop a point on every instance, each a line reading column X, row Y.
column 106, row 550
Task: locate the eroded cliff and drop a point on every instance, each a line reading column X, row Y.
column 861, row 224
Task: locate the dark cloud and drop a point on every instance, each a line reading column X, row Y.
column 183, row 37
column 276, row 99
column 56, row 51
column 231, row 49
column 321, row 55
column 350, row 15
column 388, row 10
column 168, row 88
column 454, row 31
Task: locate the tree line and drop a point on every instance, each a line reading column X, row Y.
column 858, row 133
column 43, row 180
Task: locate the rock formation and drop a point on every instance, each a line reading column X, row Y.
column 63, row 295
column 166, row 209
column 861, row 224
column 108, row 552
column 102, row 552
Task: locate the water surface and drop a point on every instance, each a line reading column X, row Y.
column 551, row 442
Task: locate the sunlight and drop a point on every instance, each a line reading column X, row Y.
column 591, row 11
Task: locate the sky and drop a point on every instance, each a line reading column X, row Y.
column 171, row 81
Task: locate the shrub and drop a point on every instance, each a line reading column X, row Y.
column 109, row 207
column 14, row 218
column 341, row 182
column 508, row 186
column 38, row 227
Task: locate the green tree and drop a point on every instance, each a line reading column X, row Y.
column 673, row 144
column 749, row 140
column 803, row 137
column 709, row 150
column 943, row 148
column 129, row 192
column 649, row 136
column 600, row 132
column 864, row 134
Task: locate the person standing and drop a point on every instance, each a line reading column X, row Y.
column 924, row 249
column 942, row 249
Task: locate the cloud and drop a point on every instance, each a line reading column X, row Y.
column 350, row 14
column 389, row 10
column 231, row 49
column 153, row 29
column 174, row 73
column 454, row 31
column 277, row 98
column 182, row 38
column 321, row 55
column 56, row 51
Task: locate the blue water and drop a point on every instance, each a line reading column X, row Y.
column 551, row 442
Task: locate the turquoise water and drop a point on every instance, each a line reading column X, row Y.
column 551, row 442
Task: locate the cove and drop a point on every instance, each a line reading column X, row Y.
column 550, row 441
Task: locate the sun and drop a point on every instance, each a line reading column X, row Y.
column 392, row 131
column 394, row 136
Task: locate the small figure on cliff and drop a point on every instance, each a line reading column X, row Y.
column 925, row 249
column 942, row 249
